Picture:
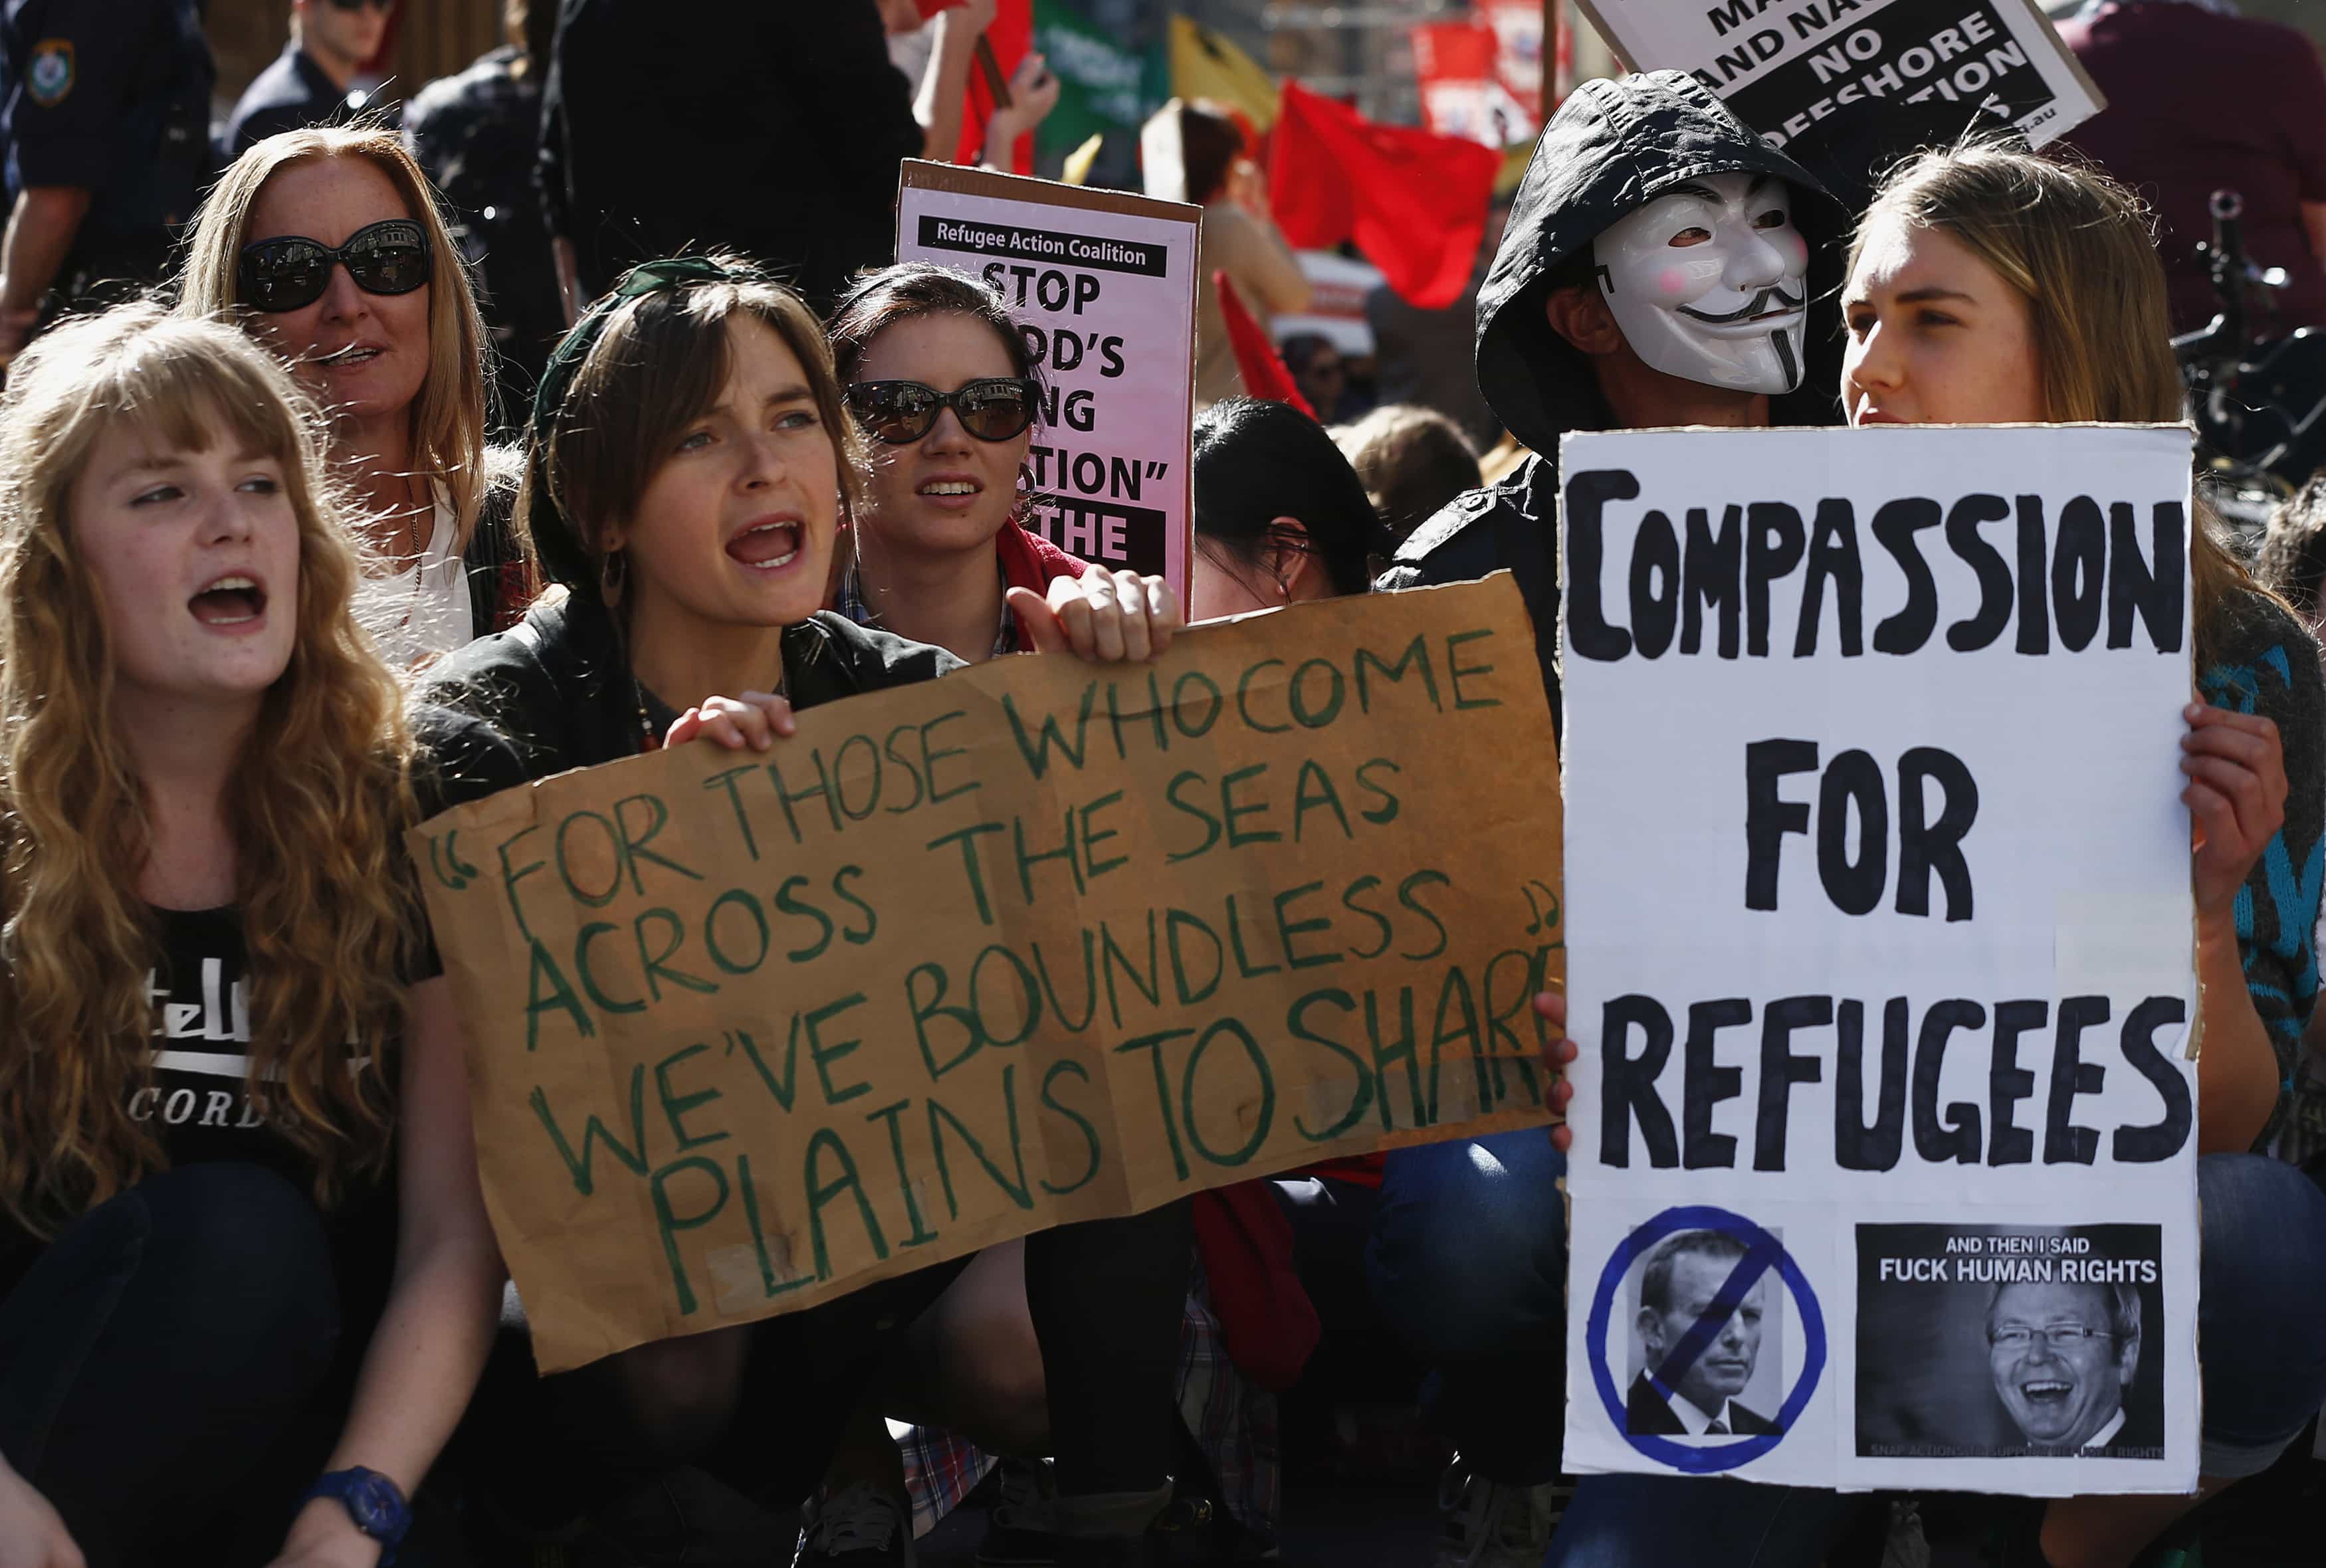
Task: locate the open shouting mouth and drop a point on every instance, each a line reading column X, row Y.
column 768, row 544
column 235, row 599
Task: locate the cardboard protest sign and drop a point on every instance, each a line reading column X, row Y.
column 1104, row 286
column 1878, row 891
column 1042, row 941
column 1845, row 85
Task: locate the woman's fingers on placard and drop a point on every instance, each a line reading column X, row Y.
column 2254, row 813
column 1099, row 633
column 732, row 722
column 2211, row 716
column 2225, row 851
column 1071, row 603
column 1040, row 619
column 777, row 709
column 2241, row 738
column 1164, row 618
column 1130, row 599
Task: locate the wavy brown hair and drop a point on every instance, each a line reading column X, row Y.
column 323, row 792
column 448, row 417
column 658, row 364
column 2078, row 248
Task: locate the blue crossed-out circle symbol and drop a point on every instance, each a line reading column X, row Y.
column 1762, row 1252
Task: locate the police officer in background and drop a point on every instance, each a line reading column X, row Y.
column 106, row 127
column 475, row 133
column 312, row 81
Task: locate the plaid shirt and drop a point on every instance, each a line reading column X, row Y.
column 851, row 603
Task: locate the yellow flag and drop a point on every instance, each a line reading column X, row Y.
column 1079, row 160
column 1514, row 167
column 1204, row 65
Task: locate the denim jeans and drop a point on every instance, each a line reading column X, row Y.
column 2262, row 1344
column 1468, row 1263
column 158, row 1358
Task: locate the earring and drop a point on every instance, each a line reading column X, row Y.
column 613, row 573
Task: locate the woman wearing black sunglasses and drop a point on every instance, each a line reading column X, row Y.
column 328, row 246
column 939, row 377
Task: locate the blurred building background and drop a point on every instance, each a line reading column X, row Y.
column 1113, row 55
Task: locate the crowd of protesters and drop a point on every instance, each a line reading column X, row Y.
column 401, row 486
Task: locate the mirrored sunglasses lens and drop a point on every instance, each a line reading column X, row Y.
column 389, row 258
column 285, row 278
column 896, row 414
column 396, row 269
column 995, row 413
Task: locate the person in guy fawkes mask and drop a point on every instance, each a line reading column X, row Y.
column 1662, row 265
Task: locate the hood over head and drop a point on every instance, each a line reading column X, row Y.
column 1613, row 145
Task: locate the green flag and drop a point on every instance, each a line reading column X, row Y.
column 1106, row 88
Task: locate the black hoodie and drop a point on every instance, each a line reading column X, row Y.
column 1613, row 145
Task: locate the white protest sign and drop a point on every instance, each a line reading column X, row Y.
column 1786, row 65
column 1104, row 286
column 1880, row 952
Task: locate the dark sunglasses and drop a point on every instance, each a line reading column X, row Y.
column 359, row 5
column 899, row 411
column 387, row 257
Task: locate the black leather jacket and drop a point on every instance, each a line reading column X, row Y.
column 557, row 685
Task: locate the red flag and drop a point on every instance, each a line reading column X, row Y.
column 1455, row 64
column 1264, row 372
column 1451, row 51
column 1012, row 37
column 1414, row 203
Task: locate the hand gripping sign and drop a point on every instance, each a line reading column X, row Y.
column 1878, row 890
column 1039, row 942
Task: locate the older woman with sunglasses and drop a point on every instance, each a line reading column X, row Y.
column 939, row 375
column 328, row 244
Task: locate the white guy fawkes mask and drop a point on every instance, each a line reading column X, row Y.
column 1709, row 280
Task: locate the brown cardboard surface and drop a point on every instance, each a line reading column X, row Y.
column 1042, row 941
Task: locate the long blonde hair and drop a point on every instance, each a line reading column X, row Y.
column 448, row 417
column 321, row 794
column 2078, row 248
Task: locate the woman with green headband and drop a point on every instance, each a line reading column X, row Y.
column 691, row 462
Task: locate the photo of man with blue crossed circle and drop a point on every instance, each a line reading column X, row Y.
column 1679, row 1284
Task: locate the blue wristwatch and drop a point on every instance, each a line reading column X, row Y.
column 373, row 1501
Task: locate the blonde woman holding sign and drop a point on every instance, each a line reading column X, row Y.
column 1989, row 285
column 691, row 462
column 1992, row 285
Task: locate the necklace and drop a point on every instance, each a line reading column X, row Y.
column 414, row 510
column 409, row 556
column 649, row 739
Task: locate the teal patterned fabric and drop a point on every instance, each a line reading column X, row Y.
column 2268, row 663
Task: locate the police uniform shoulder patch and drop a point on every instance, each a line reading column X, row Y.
column 49, row 73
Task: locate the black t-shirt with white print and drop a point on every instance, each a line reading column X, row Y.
column 198, row 1100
